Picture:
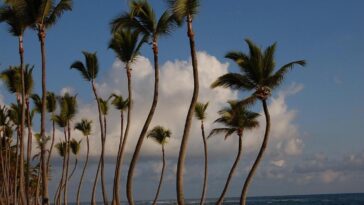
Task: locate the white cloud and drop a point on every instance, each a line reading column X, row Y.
column 65, row 90
column 329, row 176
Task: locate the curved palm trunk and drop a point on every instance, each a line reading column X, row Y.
column 221, row 198
column 186, row 131
column 126, row 134
column 52, row 145
column 83, row 172
column 93, row 197
column 65, row 194
column 29, row 150
column 74, row 169
column 103, row 186
column 23, row 190
column 129, row 183
column 205, row 170
column 260, row 154
column 161, row 179
column 41, row 36
column 116, row 197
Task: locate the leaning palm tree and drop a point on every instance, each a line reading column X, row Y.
column 161, row 136
column 43, row 15
column 14, row 13
column 142, row 18
column 121, row 105
column 85, row 127
column 258, row 75
column 75, row 149
column 186, row 9
column 200, row 114
column 126, row 44
column 237, row 119
column 89, row 72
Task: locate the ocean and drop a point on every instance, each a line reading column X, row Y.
column 322, row 199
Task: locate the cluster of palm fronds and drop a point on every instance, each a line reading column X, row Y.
column 25, row 180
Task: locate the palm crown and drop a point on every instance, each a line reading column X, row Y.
column 14, row 13
column 68, row 105
column 200, row 110
column 84, row 126
column 258, row 71
column 236, row 118
column 90, row 69
column 184, row 8
column 118, row 102
column 160, row 134
column 12, row 79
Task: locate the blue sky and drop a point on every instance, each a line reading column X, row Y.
column 329, row 109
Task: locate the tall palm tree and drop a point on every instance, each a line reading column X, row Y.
column 237, row 119
column 75, row 149
column 121, row 105
column 186, row 9
column 85, row 127
column 200, row 114
column 44, row 14
column 161, row 136
column 257, row 74
column 89, row 72
column 142, row 18
column 15, row 15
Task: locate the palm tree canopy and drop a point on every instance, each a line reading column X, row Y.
column 126, row 44
column 4, row 116
column 37, row 101
column 61, row 148
column 60, row 120
column 142, row 18
column 75, row 146
column 200, row 110
column 45, row 13
column 119, row 102
column 104, row 107
column 68, row 105
column 159, row 134
column 85, row 126
column 15, row 114
column 14, row 14
column 12, row 79
column 236, row 118
column 40, row 141
column 184, row 8
column 90, row 69
column 257, row 70
column 51, row 100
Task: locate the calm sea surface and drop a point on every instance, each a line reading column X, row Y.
column 324, row 199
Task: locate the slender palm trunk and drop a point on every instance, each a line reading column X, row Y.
column 205, row 170
column 74, row 169
column 186, row 131
column 83, row 172
column 68, row 153
column 60, row 186
column 121, row 151
column 52, row 145
column 29, row 149
column 103, row 186
column 260, row 154
column 116, row 197
column 16, row 171
column 41, row 36
column 37, row 188
column 23, row 190
column 221, row 198
column 93, row 197
column 161, row 178
column 129, row 183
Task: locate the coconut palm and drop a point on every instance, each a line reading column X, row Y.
column 237, row 119
column 89, row 72
column 161, row 136
column 258, row 74
column 121, row 105
column 186, row 9
column 200, row 114
column 85, row 127
column 142, row 18
column 75, row 149
column 44, row 14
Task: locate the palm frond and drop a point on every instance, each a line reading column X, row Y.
column 183, row 8
column 57, row 11
column 275, row 80
column 78, row 65
column 234, row 81
column 159, row 134
column 200, row 110
column 226, row 131
column 75, row 146
column 51, row 100
column 85, row 126
column 119, row 102
column 37, row 101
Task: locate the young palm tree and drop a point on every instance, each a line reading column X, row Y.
column 75, row 149
column 85, row 127
column 121, row 105
column 186, row 9
column 89, row 72
column 142, row 18
column 200, row 114
column 161, row 136
column 43, row 15
column 258, row 74
column 237, row 119
column 126, row 45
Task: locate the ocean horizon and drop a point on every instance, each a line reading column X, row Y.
column 312, row 199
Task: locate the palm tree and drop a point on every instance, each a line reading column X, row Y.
column 85, row 127
column 200, row 114
column 161, row 136
column 237, row 119
column 15, row 15
column 61, row 148
column 186, row 9
column 44, row 14
column 258, row 74
column 51, row 108
column 121, row 105
column 142, row 18
column 89, row 72
column 75, row 149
